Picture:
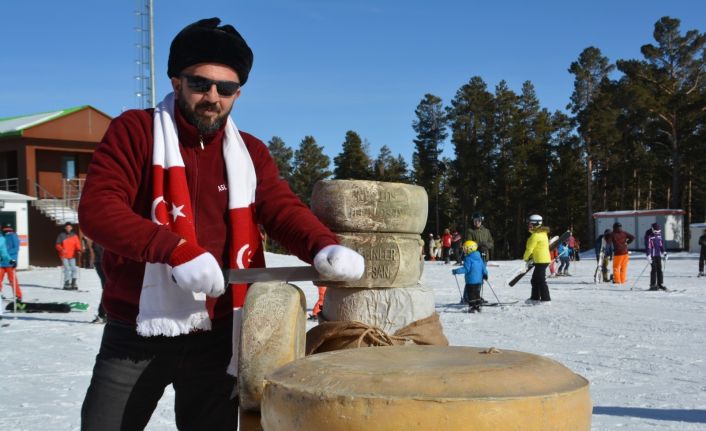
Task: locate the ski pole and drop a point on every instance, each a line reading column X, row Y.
column 638, row 277
column 494, row 294
column 458, row 286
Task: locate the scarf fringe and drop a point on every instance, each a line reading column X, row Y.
column 171, row 327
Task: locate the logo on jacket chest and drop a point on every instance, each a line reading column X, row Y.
column 222, row 188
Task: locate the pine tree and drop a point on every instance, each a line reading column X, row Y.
column 353, row 163
column 471, row 118
column 590, row 70
column 389, row 168
column 282, row 155
column 671, row 79
column 310, row 165
column 430, row 127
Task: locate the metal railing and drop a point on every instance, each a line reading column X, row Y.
column 60, row 210
column 10, row 184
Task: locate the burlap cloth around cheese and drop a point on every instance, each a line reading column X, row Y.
column 338, row 335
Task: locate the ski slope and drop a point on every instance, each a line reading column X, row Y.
column 643, row 352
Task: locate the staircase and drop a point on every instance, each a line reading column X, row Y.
column 60, row 210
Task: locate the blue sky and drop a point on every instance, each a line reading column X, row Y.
column 323, row 67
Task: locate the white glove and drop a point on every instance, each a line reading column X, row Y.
column 195, row 269
column 339, row 263
column 664, row 256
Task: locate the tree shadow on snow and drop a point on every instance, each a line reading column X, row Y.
column 679, row 415
column 42, row 287
column 8, row 317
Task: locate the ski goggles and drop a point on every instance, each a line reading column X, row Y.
column 199, row 84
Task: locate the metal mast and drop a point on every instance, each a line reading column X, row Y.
column 144, row 61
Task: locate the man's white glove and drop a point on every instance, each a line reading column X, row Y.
column 339, row 263
column 195, row 269
column 664, row 256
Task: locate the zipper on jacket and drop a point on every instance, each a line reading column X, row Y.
column 201, row 142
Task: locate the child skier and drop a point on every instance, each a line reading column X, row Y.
column 655, row 253
column 476, row 272
column 564, row 258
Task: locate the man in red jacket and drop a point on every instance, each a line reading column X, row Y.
column 69, row 247
column 175, row 195
column 620, row 240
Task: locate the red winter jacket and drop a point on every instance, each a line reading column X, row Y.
column 620, row 240
column 115, row 208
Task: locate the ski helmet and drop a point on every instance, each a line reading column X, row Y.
column 478, row 216
column 535, row 220
column 470, row 246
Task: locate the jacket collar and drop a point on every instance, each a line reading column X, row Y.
column 189, row 135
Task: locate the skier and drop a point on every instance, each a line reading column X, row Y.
column 538, row 250
column 481, row 235
column 175, row 194
column 319, row 303
column 620, row 240
column 604, row 253
column 456, row 246
column 564, row 258
column 9, row 266
column 431, row 248
column 476, row 271
column 69, row 247
column 446, row 240
column 655, row 253
column 702, row 256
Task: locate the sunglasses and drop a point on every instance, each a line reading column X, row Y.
column 199, row 84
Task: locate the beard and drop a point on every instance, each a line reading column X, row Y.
column 206, row 125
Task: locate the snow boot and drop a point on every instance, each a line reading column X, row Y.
column 73, row 284
column 701, row 274
column 67, row 285
column 661, row 287
column 654, row 287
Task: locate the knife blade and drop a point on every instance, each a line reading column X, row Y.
column 284, row 273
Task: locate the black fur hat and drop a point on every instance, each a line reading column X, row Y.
column 205, row 42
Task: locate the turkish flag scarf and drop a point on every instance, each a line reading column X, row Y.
column 165, row 308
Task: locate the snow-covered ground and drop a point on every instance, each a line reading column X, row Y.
column 643, row 352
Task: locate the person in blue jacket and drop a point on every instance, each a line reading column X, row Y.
column 476, row 272
column 9, row 249
column 565, row 259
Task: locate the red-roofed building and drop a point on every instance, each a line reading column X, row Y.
column 46, row 156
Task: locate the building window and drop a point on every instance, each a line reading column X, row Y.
column 68, row 167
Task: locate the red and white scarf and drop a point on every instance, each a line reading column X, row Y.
column 165, row 308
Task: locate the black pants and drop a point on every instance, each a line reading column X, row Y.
column 656, row 276
column 131, row 373
column 540, row 290
column 471, row 292
column 702, row 258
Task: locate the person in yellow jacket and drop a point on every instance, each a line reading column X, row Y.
column 537, row 250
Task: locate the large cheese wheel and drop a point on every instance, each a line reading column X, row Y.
column 425, row 388
column 387, row 308
column 370, row 206
column 391, row 260
column 273, row 333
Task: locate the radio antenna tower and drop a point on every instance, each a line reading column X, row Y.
column 144, row 63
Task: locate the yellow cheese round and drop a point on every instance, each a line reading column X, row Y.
column 273, row 333
column 425, row 388
column 391, row 260
column 370, row 206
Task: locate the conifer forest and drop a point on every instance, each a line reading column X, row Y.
column 633, row 137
